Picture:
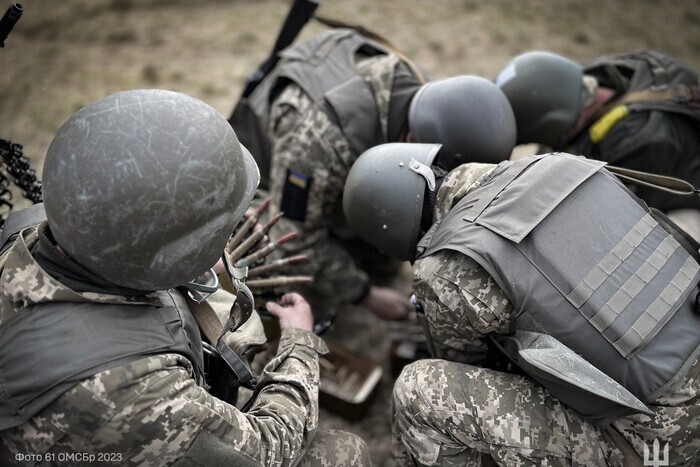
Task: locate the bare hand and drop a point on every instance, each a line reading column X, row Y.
column 293, row 311
column 387, row 303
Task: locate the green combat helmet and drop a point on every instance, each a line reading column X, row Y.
column 546, row 93
column 143, row 188
column 384, row 193
column 468, row 115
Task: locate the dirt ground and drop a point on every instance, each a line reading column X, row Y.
column 64, row 54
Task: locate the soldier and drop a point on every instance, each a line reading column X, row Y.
column 636, row 110
column 101, row 354
column 552, row 262
column 329, row 99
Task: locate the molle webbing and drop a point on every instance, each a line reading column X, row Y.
column 607, row 265
column 671, row 287
column 583, row 261
column 659, row 311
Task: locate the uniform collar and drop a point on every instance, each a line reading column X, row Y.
column 25, row 283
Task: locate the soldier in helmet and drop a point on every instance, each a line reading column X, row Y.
column 101, row 353
column 553, row 263
column 636, row 110
column 329, row 99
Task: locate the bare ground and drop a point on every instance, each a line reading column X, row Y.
column 64, row 54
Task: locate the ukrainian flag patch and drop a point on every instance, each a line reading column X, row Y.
column 295, row 195
column 297, row 179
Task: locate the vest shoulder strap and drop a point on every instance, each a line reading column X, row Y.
column 18, row 221
column 679, row 98
column 381, row 40
column 673, row 185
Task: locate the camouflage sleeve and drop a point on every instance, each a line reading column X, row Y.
column 462, row 303
column 310, row 163
column 285, row 411
column 280, row 425
column 151, row 412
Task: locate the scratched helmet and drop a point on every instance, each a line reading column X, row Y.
column 546, row 93
column 468, row 115
column 143, row 188
column 384, row 193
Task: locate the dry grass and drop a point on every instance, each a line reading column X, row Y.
column 64, row 54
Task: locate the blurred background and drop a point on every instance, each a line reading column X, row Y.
column 63, row 54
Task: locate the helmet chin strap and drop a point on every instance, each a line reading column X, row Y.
column 424, row 171
column 202, row 287
column 429, row 202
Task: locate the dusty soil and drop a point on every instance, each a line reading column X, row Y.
column 64, row 54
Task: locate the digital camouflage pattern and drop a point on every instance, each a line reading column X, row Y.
column 462, row 304
column 449, row 413
column 305, row 140
column 23, row 282
column 152, row 412
column 333, row 447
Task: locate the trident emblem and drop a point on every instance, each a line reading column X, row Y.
column 656, row 460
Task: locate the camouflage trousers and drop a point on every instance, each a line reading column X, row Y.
column 452, row 414
column 336, row 448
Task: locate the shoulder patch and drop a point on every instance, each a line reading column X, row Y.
column 295, row 195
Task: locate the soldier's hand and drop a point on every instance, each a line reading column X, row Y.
column 293, row 311
column 387, row 303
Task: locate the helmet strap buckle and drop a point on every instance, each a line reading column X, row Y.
column 203, row 287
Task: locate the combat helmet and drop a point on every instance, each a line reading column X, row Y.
column 384, row 193
column 546, row 93
column 468, row 115
column 143, row 188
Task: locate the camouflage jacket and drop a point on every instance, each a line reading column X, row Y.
column 150, row 410
column 306, row 141
column 463, row 304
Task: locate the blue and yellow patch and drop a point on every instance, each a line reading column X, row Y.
column 298, row 179
column 295, row 195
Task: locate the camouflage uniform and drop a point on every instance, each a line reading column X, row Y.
column 450, row 412
column 306, row 140
column 151, row 411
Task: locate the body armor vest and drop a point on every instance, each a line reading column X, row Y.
column 604, row 296
column 629, row 73
column 662, row 96
column 324, row 67
column 51, row 346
